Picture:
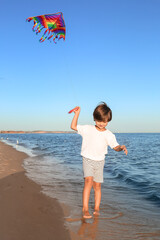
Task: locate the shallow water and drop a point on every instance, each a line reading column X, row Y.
column 130, row 205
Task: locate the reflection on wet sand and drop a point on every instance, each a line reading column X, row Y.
column 88, row 228
column 111, row 228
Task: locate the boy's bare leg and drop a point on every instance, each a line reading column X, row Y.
column 88, row 183
column 97, row 197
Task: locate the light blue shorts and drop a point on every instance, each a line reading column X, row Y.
column 92, row 168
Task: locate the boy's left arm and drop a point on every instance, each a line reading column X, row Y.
column 121, row 148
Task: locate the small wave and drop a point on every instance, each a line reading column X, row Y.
column 120, row 176
column 36, row 148
column 137, row 183
column 154, row 197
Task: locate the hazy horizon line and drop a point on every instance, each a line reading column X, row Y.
column 57, row 131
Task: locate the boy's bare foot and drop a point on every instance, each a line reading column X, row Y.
column 86, row 214
column 96, row 213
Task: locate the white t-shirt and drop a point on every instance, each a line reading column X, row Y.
column 95, row 143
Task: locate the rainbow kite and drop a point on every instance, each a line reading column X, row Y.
column 53, row 23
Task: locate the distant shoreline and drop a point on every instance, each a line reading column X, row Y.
column 43, row 132
column 22, row 132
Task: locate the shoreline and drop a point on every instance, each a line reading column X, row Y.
column 26, row 213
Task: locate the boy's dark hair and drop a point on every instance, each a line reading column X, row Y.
column 102, row 113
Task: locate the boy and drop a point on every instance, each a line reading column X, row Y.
column 95, row 141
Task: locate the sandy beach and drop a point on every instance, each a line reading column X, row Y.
column 26, row 213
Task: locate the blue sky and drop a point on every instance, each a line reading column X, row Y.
column 111, row 54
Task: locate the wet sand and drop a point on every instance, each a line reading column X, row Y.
column 26, row 213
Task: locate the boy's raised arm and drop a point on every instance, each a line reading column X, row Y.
column 75, row 118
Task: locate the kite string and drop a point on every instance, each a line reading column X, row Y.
column 72, row 82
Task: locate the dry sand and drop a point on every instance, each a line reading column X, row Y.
column 25, row 212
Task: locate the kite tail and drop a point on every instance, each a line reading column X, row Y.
column 55, row 39
column 29, row 19
column 50, row 36
column 60, row 37
column 38, row 30
column 35, row 24
column 44, row 38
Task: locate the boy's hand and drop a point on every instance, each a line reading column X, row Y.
column 123, row 147
column 77, row 110
column 74, row 110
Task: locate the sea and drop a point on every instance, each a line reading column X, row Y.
column 130, row 205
